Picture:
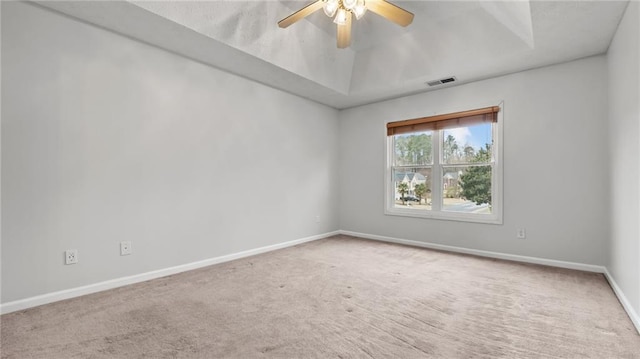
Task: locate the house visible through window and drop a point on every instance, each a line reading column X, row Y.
column 446, row 166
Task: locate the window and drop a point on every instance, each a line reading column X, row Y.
column 446, row 166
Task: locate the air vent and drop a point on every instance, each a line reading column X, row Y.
column 442, row 81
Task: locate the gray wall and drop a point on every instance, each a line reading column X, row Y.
column 555, row 125
column 624, row 123
column 106, row 139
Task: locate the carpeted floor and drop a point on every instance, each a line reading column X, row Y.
column 340, row 297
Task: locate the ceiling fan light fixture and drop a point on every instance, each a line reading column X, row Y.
column 359, row 9
column 342, row 10
column 330, row 7
column 349, row 4
column 341, row 17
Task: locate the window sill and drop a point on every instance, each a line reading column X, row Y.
column 443, row 215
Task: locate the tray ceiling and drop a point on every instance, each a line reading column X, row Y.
column 471, row 40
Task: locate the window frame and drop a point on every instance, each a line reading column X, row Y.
column 437, row 166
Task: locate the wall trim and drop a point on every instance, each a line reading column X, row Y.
column 119, row 282
column 482, row 253
column 137, row 278
column 635, row 318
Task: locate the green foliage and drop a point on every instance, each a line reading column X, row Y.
column 403, row 188
column 420, row 190
column 469, row 153
column 484, row 155
column 413, row 149
column 451, row 150
column 476, row 180
column 452, row 191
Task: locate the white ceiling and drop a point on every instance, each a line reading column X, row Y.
column 471, row 40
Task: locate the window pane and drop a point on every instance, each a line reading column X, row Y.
column 470, row 144
column 466, row 189
column 413, row 149
column 412, row 188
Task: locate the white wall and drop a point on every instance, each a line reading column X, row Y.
column 624, row 122
column 555, row 155
column 106, row 139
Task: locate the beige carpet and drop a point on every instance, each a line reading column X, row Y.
column 338, row 298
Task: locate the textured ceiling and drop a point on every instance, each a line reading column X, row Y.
column 471, row 40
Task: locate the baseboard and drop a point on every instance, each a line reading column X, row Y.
column 477, row 252
column 119, row 282
column 635, row 318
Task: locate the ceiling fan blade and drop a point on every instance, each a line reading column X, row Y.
column 344, row 33
column 301, row 14
column 390, row 12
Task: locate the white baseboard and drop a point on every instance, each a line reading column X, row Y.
column 635, row 318
column 477, row 252
column 119, row 282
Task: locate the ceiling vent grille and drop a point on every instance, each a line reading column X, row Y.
column 442, row 81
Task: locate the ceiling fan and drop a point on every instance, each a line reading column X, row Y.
column 342, row 11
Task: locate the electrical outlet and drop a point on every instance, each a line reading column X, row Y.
column 522, row 234
column 71, row 256
column 125, row 248
column 317, row 219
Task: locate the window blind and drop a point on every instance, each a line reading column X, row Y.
column 439, row 122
